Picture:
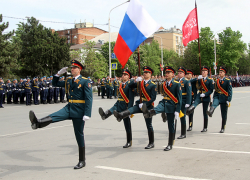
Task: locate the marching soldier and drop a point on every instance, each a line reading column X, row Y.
column 2, row 89
column 78, row 109
column 50, row 91
column 205, row 86
column 189, row 76
column 222, row 96
column 56, row 93
column 103, row 84
column 28, row 90
column 169, row 106
column 125, row 101
column 148, row 97
column 186, row 98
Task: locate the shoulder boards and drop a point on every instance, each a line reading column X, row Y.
column 128, row 82
column 152, row 82
column 84, row 78
column 210, row 78
column 176, row 81
column 186, row 79
column 227, row 79
column 69, row 78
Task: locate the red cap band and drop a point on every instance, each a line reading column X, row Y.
column 148, row 70
column 74, row 64
column 170, row 70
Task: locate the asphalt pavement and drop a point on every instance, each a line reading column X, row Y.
column 51, row 152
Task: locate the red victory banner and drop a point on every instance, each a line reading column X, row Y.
column 190, row 28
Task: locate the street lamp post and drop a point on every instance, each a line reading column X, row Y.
column 215, row 51
column 161, row 54
column 110, row 74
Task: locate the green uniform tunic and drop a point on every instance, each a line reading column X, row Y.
column 80, row 104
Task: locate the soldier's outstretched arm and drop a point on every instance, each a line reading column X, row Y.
column 56, row 82
column 131, row 98
column 230, row 91
column 210, row 88
column 189, row 92
column 153, row 95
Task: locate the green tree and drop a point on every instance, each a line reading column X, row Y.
column 93, row 61
column 42, row 51
column 230, row 49
column 8, row 52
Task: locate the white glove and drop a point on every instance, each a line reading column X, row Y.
column 176, row 115
column 200, row 77
column 85, row 118
column 202, row 95
column 228, row 103
column 41, row 89
column 187, row 105
column 139, row 79
column 3, row 93
column 62, row 71
column 140, row 105
column 193, row 102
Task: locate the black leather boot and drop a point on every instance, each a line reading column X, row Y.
column 190, row 110
column 205, row 125
column 210, row 111
column 164, row 117
column 129, row 140
column 103, row 114
column 81, row 162
column 170, row 142
column 39, row 123
column 147, row 113
column 190, row 123
column 223, row 126
column 183, row 132
column 121, row 115
column 151, row 140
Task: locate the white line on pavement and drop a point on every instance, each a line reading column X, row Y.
column 243, row 123
column 212, row 150
column 228, row 134
column 33, row 131
column 148, row 173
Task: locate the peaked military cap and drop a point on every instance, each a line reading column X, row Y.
column 189, row 71
column 182, row 69
column 204, row 68
column 148, row 69
column 169, row 69
column 127, row 72
column 223, row 69
column 75, row 63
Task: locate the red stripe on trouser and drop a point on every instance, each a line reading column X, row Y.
column 122, row 51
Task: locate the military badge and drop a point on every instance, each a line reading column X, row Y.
column 147, row 85
column 77, row 80
column 89, row 85
column 79, row 86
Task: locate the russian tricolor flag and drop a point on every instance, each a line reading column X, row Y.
column 136, row 27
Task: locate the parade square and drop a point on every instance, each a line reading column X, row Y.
column 50, row 153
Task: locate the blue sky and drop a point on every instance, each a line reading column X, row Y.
column 216, row 14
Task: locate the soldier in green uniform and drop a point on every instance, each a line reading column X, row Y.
column 148, row 97
column 192, row 80
column 205, row 86
column 78, row 109
column 186, row 98
column 103, row 85
column 169, row 106
column 222, row 96
column 125, row 101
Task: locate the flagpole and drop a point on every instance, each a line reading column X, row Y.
column 198, row 38
column 139, row 66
